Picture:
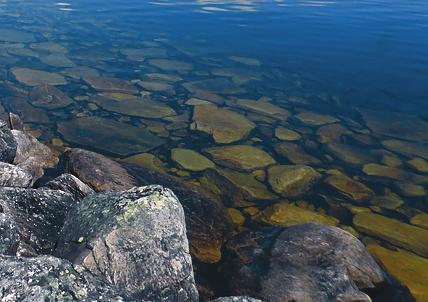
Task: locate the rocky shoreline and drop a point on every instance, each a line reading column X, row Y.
column 103, row 231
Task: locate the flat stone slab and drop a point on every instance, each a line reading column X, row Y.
column 109, row 135
column 33, row 77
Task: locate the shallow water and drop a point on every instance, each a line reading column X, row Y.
column 348, row 78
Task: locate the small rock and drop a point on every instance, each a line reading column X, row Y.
column 355, row 190
column 8, row 144
column 191, row 160
column 285, row 134
column 70, row 184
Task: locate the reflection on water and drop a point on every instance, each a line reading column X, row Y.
column 316, row 108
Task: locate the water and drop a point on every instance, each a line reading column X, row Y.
column 363, row 65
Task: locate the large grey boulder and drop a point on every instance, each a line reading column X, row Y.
column 135, row 240
column 313, row 262
column 98, row 171
column 49, row 279
column 71, row 184
column 236, row 299
column 38, row 214
column 7, row 144
column 31, row 155
column 9, row 235
column 13, row 176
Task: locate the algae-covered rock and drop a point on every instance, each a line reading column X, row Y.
column 98, row 133
column 285, row 134
column 169, row 65
column 213, row 86
column 393, row 173
column 419, row 164
column 410, row 149
column 284, row 214
column 224, row 125
column 240, row 157
column 408, row 189
column 398, row 233
column 146, row 160
column 262, row 107
column 316, row 263
column 331, row 133
column 315, row 119
column 292, row 181
column 408, row 268
column 135, row 240
column 295, row 154
column 111, row 85
column 420, row 220
column 32, row 77
column 191, row 160
column 98, row 171
column 49, row 97
column 349, row 187
column 50, row 279
column 350, row 154
column 38, row 214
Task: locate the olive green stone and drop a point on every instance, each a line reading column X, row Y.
column 420, row 220
column 224, row 125
column 410, row 190
column 292, row 181
column 286, row 215
column 393, row 173
column 351, row 188
column 315, row 119
column 285, row 134
column 350, row 154
column 191, row 160
column 410, row 149
column 398, row 233
column 146, row 160
column 263, row 107
column 331, row 133
column 240, row 157
column 419, row 164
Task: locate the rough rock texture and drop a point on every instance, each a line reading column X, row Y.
column 70, row 184
column 7, row 144
column 32, row 155
column 38, row 214
column 236, row 299
column 49, row 279
column 13, row 176
column 9, row 236
column 208, row 225
column 136, row 240
column 312, row 262
column 98, row 171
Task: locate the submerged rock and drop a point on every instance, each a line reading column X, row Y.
column 38, row 214
column 98, row 132
column 350, row 154
column 295, row 154
column 111, row 84
column 169, row 65
column 355, row 190
column 191, row 160
column 16, row 36
column 285, row 134
column 315, row 119
column 135, row 240
column 8, row 144
column 312, row 262
column 31, row 155
column 240, row 157
column 224, row 125
column 49, row 279
column 398, row 233
column 98, row 171
column 331, row 133
column 32, row 77
column 393, row 173
column 410, row 149
column 49, row 97
column 262, row 107
column 57, row 60
column 419, row 164
column 214, row 85
column 13, row 176
column 284, row 214
column 292, row 181
column 408, row 268
column 136, row 107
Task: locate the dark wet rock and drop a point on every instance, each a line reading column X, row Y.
column 313, row 262
column 9, row 235
column 111, row 85
column 208, row 225
column 49, row 97
column 8, row 144
column 350, row 154
column 38, row 214
column 70, row 184
column 49, row 279
column 32, row 77
column 135, row 240
column 307, row 262
column 13, row 176
column 98, row 133
column 33, row 156
column 98, row 171
column 236, row 299
column 27, row 112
